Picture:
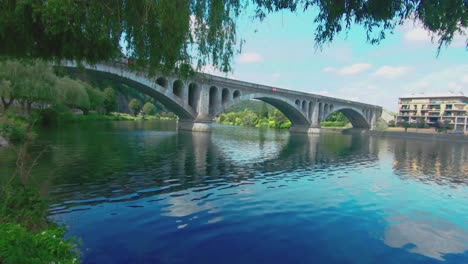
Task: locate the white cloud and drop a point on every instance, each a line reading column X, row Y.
column 354, row 69
column 250, row 57
column 441, row 82
column 415, row 33
column 391, row 72
column 349, row 70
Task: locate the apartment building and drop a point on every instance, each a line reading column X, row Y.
column 432, row 109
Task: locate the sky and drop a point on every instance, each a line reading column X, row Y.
column 280, row 52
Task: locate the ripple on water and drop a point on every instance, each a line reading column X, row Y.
column 257, row 196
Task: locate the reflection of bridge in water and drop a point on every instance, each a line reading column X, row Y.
column 198, row 100
column 188, row 161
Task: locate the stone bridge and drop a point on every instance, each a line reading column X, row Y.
column 197, row 101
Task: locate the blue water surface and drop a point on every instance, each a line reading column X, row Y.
column 144, row 193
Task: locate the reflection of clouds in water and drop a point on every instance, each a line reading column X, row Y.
column 242, row 150
column 184, row 206
column 429, row 238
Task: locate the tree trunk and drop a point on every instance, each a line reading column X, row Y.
column 29, row 104
column 23, row 106
column 7, row 104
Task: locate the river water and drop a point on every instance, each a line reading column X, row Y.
column 144, row 193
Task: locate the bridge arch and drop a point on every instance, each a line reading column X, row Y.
column 155, row 87
column 288, row 107
column 356, row 117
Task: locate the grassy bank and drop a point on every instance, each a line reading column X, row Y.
column 111, row 117
column 26, row 235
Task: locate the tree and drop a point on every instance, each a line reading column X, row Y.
column 135, row 106
column 404, row 124
column 149, row 109
column 109, row 100
column 442, row 126
column 96, row 98
column 263, row 111
column 29, row 82
column 73, row 93
column 173, row 34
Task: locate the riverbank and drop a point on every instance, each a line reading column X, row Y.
column 419, row 135
column 111, row 117
column 425, row 135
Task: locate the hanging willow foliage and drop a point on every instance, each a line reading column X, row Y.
column 164, row 34
column 175, row 34
column 443, row 18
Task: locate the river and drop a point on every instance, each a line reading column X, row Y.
column 140, row 192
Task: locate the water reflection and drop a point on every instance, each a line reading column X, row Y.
column 251, row 192
column 432, row 237
column 441, row 162
column 151, row 163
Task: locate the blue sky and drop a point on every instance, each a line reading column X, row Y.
column 280, row 52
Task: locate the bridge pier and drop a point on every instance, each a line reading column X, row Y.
column 197, row 126
column 304, row 129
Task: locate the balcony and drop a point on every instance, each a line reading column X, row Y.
column 455, row 110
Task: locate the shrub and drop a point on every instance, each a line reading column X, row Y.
column 24, row 205
column 134, row 106
column 18, row 245
column 391, row 123
column 149, row 109
column 14, row 129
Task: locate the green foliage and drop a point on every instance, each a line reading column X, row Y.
column 23, row 204
column 73, row 93
column 171, row 34
column 333, row 124
column 337, row 117
column 421, row 124
column 26, row 235
column 109, row 100
column 96, row 98
column 392, row 123
column 14, row 128
column 18, row 245
column 28, row 81
column 149, row 109
column 404, row 124
column 164, row 34
column 264, row 111
column 134, row 106
column 443, row 126
column 250, row 118
column 443, row 18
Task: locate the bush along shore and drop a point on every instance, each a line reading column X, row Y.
column 273, row 118
column 26, row 234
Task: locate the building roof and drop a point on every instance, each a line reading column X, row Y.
column 429, row 96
